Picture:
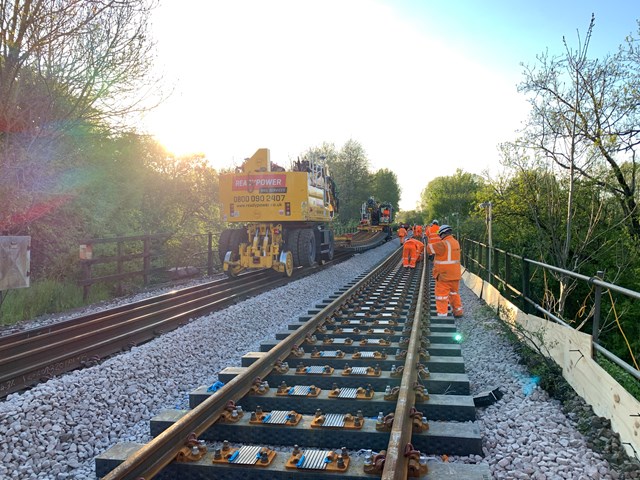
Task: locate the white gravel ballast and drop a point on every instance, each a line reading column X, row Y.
column 55, row 430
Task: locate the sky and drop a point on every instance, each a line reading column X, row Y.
column 425, row 86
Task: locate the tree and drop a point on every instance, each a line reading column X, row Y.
column 65, row 67
column 444, row 196
column 386, row 187
column 350, row 171
column 581, row 121
column 90, row 55
column 585, row 119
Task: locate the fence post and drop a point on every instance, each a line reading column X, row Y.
column 596, row 311
column 507, row 271
column 86, row 273
column 119, row 267
column 496, row 265
column 487, row 260
column 465, row 255
column 146, row 259
column 210, row 255
column 474, row 257
column 525, row 284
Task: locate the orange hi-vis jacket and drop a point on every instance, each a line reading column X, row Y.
column 433, row 234
column 417, row 231
column 446, row 262
column 402, row 232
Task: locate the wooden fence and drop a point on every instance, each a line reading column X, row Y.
column 145, row 259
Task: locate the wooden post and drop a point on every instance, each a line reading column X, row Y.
column 507, row 272
column 596, row 311
column 119, row 267
column 146, row 259
column 525, row 284
column 86, row 274
column 210, row 255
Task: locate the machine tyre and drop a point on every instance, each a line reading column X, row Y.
column 238, row 236
column 292, row 244
column 328, row 255
column 288, row 263
column 223, row 244
column 307, row 247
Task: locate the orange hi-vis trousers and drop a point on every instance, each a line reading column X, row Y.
column 447, row 292
column 409, row 255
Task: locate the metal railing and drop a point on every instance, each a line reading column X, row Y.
column 505, row 267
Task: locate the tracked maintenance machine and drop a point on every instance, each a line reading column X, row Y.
column 376, row 217
column 284, row 216
column 373, row 230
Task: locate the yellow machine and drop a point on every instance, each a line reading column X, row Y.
column 376, row 217
column 286, row 215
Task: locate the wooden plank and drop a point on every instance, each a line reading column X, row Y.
column 571, row 350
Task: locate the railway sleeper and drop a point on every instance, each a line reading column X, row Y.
column 441, row 383
column 206, row 469
column 459, row 408
column 438, row 364
column 441, row 438
column 449, row 349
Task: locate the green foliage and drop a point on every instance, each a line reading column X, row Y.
column 410, row 217
column 43, row 297
column 353, row 179
column 386, row 187
column 584, row 118
column 454, row 197
column 627, row 381
column 349, row 169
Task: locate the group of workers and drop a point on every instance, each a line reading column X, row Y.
column 444, row 249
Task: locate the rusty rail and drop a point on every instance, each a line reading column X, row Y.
column 162, row 450
column 397, row 464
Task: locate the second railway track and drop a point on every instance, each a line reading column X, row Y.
column 32, row 356
column 366, row 370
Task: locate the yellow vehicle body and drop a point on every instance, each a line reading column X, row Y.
column 280, row 211
column 274, row 197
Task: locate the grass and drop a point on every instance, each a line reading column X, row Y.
column 43, row 298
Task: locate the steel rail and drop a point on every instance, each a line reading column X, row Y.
column 396, row 464
column 31, row 357
column 149, row 460
column 130, row 308
column 163, row 307
column 30, row 366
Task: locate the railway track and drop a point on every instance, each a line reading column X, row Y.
column 32, row 356
column 362, row 241
column 366, row 370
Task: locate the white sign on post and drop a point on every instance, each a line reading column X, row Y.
column 15, row 262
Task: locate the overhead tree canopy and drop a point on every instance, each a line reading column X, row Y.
column 66, row 67
column 585, row 118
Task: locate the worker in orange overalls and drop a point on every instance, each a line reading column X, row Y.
column 417, row 232
column 446, row 271
column 432, row 235
column 411, row 252
column 433, row 232
column 402, row 233
column 421, row 246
